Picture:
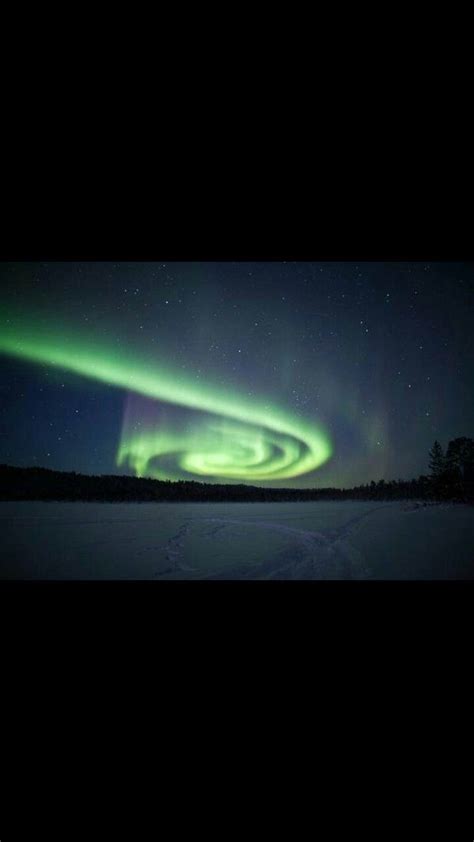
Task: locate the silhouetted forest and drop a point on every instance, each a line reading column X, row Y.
column 451, row 477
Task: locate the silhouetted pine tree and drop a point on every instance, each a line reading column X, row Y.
column 437, row 461
column 460, row 466
column 437, row 464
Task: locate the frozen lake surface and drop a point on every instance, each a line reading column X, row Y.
column 159, row 541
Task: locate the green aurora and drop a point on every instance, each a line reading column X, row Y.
column 237, row 438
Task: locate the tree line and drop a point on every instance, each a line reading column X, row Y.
column 451, row 477
column 452, row 473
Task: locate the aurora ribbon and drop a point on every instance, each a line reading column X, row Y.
column 237, row 438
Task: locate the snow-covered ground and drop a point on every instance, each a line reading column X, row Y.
column 324, row 540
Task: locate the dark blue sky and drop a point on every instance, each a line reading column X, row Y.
column 380, row 354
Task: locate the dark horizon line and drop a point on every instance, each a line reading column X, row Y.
column 215, row 484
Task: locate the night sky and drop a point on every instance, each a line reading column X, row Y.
column 286, row 374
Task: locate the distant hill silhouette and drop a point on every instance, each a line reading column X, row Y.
column 44, row 484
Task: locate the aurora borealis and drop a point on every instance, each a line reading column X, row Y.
column 300, row 374
column 241, row 439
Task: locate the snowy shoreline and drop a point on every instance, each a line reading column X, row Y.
column 345, row 540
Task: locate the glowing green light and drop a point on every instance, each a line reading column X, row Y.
column 239, row 438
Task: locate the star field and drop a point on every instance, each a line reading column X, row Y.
column 290, row 373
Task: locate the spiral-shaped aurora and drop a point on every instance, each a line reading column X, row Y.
column 236, row 438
